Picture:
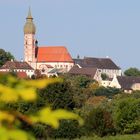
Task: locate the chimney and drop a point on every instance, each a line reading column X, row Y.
column 78, row 56
column 36, row 43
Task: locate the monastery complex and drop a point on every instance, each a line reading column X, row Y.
column 55, row 60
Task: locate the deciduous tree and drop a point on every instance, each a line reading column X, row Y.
column 132, row 72
column 5, row 56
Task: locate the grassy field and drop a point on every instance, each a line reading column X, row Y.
column 118, row 137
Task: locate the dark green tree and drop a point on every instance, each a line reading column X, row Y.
column 104, row 76
column 58, row 95
column 5, row 56
column 132, row 72
column 82, row 81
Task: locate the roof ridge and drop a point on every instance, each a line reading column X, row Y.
column 43, row 46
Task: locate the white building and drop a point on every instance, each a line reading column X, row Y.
column 17, row 67
column 126, row 83
column 104, row 65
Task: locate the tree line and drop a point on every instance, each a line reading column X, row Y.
column 105, row 111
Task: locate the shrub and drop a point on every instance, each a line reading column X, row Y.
column 108, row 92
column 16, row 98
column 100, row 122
column 67, row 129
column 127, row 115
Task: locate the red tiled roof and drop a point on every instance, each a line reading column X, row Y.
column 53, row 54
column 19, row 74
column 16, row 65
column 22, row 74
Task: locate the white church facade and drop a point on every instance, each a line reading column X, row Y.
column 44, row 58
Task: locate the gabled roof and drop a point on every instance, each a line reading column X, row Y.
column 53, row 54
column 90, row 72
column 16, row 65
column 55, row 70
column 127, row 82
column 100, row 63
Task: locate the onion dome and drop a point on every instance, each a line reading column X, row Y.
column 29, row 27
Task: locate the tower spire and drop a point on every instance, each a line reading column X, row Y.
column 29, row 14
column 29, row 39
column 29, row 27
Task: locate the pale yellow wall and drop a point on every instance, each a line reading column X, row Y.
column 136, row 86
column 105, row 83
column 97, row 76
column 115, row 83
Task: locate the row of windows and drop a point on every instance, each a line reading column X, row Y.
column 24, row 70
column 65, row 66
column 113, row 71
column 19, row 70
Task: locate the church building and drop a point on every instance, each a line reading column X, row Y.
column 44, row 58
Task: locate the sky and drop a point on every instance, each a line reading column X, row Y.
column 94, row 28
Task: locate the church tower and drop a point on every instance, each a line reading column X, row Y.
column 29, row 40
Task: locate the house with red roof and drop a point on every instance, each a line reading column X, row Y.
column 22, row 69
column 44, row 58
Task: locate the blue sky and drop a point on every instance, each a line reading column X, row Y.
column 96, row 28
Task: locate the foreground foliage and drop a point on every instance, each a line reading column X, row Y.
column 106, row 111
column 14, row 91
column 126, row 113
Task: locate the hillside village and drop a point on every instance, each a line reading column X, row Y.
column 49, row 95
column 56, row 60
